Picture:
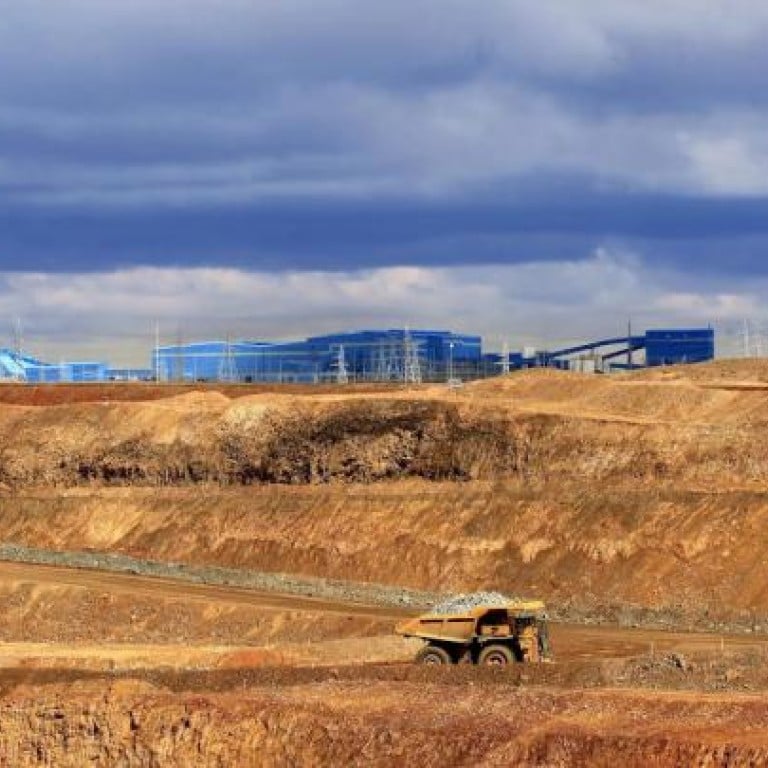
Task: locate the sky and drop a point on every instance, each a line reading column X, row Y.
column 535, row 172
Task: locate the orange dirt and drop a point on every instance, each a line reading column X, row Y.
column 635, row 499
column 385, row 723
column 60, row 605
column 122, row 392
column 693, row 556
column 603, row 494
column 67, row 703
column 90, row 614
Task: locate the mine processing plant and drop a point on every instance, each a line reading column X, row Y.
column 404, row 355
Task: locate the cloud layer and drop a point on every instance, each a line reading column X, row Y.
column 200, row 104
column 158, row 140
column 113, row 315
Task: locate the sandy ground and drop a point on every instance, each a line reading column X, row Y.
column 612, row 695
column 572, row 642
column 639, row 502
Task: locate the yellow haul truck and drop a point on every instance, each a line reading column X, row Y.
column 493, row 634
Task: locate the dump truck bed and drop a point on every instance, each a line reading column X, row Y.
column 462, row 627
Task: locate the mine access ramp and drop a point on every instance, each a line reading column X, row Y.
column 497, row 635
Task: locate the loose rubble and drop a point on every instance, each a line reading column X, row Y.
column 466, row 602
column 349, row 591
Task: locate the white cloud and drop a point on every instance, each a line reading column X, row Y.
column 729, row 164
column 112, row 314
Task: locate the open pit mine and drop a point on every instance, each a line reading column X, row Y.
column 212, row 575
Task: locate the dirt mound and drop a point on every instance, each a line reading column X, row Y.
column 46, row 612
column 540, row 426
column 464, row 603
column 126, row 392
column 540, row 383
column 669, row 396
column 197, row 439
column 540, row 482
column 607, row 496
column 715, row 372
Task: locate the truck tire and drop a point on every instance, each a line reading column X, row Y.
column 433, row 655
column 496, row 656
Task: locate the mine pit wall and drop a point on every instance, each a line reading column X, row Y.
column 204, row 440
column 689, row 557
column 602, row 515
column 133, row 723
column 353, row 442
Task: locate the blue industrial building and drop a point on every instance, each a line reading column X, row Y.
column 692, row 345
column 77, row 372
column 129, row 374
column 673, row 346
column 15, row 366
column 356, row 356
column 369, row 355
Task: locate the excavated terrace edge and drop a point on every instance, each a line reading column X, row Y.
column 363, row 593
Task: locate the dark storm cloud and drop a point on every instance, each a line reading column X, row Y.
column 292, row 135
column 686, row 232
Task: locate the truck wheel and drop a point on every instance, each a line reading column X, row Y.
column 495, row 656
column 433, row 655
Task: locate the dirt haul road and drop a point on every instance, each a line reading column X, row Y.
column 351, row 700
column 31, row 608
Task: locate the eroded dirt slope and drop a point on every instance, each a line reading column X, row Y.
column 539, row 426
column 368, row 723
column 621, row 498
column 697, row 556
column 605, row 494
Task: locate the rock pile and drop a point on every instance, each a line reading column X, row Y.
column 462, row 603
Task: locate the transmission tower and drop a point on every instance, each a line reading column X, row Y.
column 746, row 338
column 158, row 377
column 178, row 359
column 18, row 337
column 227, row 370
column 753, row 336
column 340, row 365
column 505, row 357
column 386, row 364
column 411, row 363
